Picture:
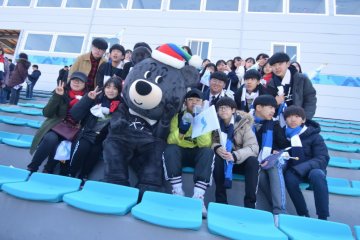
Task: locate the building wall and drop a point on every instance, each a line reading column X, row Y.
column 330, row 39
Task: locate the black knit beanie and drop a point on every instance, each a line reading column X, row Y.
column 278, row 58
column 294, row 110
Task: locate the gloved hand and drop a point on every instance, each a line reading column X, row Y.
column 185, row 123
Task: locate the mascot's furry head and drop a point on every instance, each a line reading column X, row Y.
column 158, row 83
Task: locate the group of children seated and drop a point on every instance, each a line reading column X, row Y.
column 266, row 133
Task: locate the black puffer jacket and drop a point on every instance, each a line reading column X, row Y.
column 315, row 151
column 303, row 92
column 92, row 126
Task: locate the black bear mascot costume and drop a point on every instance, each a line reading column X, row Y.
column 153, row 93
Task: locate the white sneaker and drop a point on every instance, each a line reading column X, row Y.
column 204, row 210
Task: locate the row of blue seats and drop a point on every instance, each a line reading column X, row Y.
column 320, row 120
column 33, row 112
column 340, row 138
column 20, row 121
column 341, row 130
column 16, row 139
column 343, row 148
column 343, row 162
column 32, row 105
column 165, row 209
column 340, row 125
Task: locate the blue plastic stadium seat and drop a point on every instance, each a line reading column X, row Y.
column 342, row 186
column 355, row 184
column 31, row 112
column 323, row 129
column 342, row 148
column 344, row 162
column 106, row 198
column 10, row 109
column 41, row 106
column 8, row 135
column 241, row 223
column 169, row 210
column 188, row 170
column 300, row 228
column 13, row 120
column 357, row 232
column 342, row 139
column 34, row 123
column 357, row 127
column 325, row 124
column 25, row 104
column 11, row 174
column 43, row 187
column 238, row 177
column 23, row 141
column 326, row 137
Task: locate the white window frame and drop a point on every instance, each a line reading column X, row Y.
column 202, row 3
column 187, row 41
column 128, row 6
column 221, row 11
column 292, row 44
column 283, row 9
column 314, row 14
column 5, row 4
column 160, row 9
column 62, row 5
column 342, row 15
column 52, row 44
column 65, row 2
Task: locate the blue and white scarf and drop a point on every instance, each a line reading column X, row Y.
column 228, row 165
column 245, row 95
column 293, row 134
column 267, row 137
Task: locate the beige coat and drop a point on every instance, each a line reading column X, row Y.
column 244, row 143
column 83, row 64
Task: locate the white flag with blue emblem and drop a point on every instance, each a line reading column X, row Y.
column 205, row 122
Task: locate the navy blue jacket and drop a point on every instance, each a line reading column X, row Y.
column 315, row 151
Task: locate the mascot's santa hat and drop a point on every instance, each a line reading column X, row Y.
column 174, row 56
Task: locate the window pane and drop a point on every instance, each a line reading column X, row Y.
column 292, row 52
column 79, row 3
column 185, row 4
column 69, row 44
column 224, row 5
column 199, row 48
column 348, row 7
column 49, row 3
column 279, row 48
column 39, row 42
column 205, row 50
column 113, row 4
column 19, row 3
column 265, row 6
column 307, row 6
column 146, row 4
column 1, row 2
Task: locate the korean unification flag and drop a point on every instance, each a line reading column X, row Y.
column 205, row 122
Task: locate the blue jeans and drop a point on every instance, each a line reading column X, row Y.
column 29, row 90
column 317, row 180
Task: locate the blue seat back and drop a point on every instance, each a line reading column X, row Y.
column 11, row 174
column 338, row 182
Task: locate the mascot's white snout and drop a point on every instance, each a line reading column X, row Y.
column 145, row 94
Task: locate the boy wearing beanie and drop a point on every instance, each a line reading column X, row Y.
column 290, row 87
column 184, row 150
column 249, row 91
column 238, row 150
column 112, row 67
column 309, row 147
column 271, row 139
